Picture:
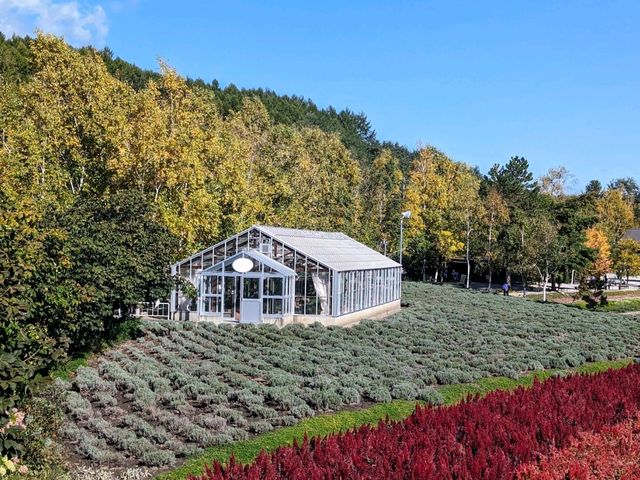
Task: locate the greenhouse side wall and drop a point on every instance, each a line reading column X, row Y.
column 361, row 290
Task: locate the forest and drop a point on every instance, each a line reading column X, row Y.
column 108, row 173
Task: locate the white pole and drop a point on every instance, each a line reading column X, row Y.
column 401, row 232
column 403, row 215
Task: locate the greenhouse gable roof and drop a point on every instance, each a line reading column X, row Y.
column 333, row 249
column 254, row 254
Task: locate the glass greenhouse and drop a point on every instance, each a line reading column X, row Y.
column 281, row 275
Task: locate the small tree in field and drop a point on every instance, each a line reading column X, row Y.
column 601, row 265
column 597, row 240
column 546, row 251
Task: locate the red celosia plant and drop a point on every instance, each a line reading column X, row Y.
column 477, row 439
column 612, row 454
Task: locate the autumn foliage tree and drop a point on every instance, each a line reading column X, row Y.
column 615, row 215
column 626, row 258
column 597, row 240
column 445, row 204
column 382, row 196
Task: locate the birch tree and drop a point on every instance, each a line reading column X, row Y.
column 546, row 250
column 496, row 215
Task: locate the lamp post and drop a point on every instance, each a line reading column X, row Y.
column 404, row 215
column 383, row 243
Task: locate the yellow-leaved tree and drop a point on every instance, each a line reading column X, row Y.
column 59, row 139
column 615, row 215
column 626, row 258
column 382, row 197
column 243, row 193
column 443, row 198
column 168, row 151
column 597, row 240
column 328, row 182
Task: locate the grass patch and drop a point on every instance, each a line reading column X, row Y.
column 126, row 331
column 324, row 425
column 597, row 367
column 618, row 306
column 454, row 393
column 551, row 295
column 554, row 295
column 67, row 370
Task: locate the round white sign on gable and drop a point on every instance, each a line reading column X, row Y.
column 242, row 265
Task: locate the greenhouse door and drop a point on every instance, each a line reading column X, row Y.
column 251, row 309
column 232, row 298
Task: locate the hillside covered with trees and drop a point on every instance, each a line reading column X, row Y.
column 108, row 173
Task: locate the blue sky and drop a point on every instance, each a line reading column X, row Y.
column 557, row 82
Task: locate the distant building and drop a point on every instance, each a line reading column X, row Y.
column 282, row 275
column 633, row 234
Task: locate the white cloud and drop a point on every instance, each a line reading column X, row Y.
column 79, row 24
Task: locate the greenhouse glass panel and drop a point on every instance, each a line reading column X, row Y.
column 254, row 238
column 184, row 270
column 218, row 254
column 230, row 248
column 301, row 277
column 384, row 286
column 243, row 242
column 322, row 284
column 277, row 252
column 273, row 286
column 311, row 297
column 196, row 265
column 289, row 258
column 207, row 259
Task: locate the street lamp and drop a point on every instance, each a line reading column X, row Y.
column 404, row 215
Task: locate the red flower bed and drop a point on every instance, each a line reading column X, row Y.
column 612, row 454
column 485, row 438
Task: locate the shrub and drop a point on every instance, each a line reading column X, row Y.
column 326, row 400
column 78, row 406
column 237, row 434
column 145, row 429
column 430, row 395
column 260, row 426
column 302, row 410
column 404, row 390
column 212, row 422
column 104, row 399
column 378, row 393
column 285, row 421
column 88, row 379
column 350, row 396
column 157, row 458
column 230, row 415
column 261, row 411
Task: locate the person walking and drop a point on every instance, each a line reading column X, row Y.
column 505, row 289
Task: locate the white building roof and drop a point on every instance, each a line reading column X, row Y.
column 334, row 249
column 633, row 234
